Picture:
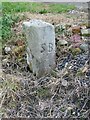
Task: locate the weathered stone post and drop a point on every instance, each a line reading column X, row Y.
column 40, row 37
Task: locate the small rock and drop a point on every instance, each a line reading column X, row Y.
column 83, row 27
column 73, row 113
column 88, row 73
column 18, row 51
column 85, row 32
column 73, row 12
column 7, row 50
column 85, row 38
column 84, row 47
column 69, row 108
column 76, row 30
column 75, row 40
column 64, row 83
column 62, row 42
column 20, row 42
column 70, row 67
column 5, row 60
column 75, row 51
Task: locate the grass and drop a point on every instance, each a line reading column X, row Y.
column 0, row 27
column 43, row 92
column 8, row 21
column 9, row 7
column 9, row 10
column 20, row 7
column 58, row 8
column 0, row 47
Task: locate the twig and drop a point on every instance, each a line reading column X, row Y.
column 84, row 105
column 2, row 100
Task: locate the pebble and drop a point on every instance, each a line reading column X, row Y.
column 64, row 83
column 75, row 40
column 84, row 47
column 69, row 108
column 75, row 51
column 88, row 73
column 73, row 12
column 5, row 60
column 85, row 31
column 76, row 29
column 85, row 38
column 7, row 50
column 62, row 42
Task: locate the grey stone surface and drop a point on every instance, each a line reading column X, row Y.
column 40, row 46
column 62, row 42
column 84, row 47
column 85, row 31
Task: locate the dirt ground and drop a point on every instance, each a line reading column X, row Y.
column 75, row 17
column 59, row 94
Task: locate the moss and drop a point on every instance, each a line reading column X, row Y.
column 75, row 51
column 44, row 92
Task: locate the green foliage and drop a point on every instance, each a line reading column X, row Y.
column 43, row 11
column 43, row 92
column 58, row 8
column 0, row 46
column 0, row 20
column 0, row 27
column 8, row 20
column 9, row 10
column 10, row 7
column 10, row 84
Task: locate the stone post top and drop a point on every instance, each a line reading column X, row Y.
column 37, row 23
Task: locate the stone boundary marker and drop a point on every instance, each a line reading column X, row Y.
column 40, row 44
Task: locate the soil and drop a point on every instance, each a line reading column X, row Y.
column 64, row 93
